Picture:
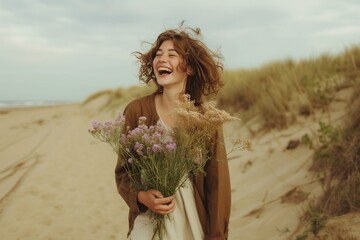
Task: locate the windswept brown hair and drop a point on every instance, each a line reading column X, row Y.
column 205, row 64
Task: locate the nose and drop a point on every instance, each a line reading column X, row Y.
column 162, row 58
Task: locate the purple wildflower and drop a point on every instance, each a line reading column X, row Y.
column 156, row 148
column 156, row 136
column 146, row 138
column 122, row 139
column 143, row 127
column 95, row 125
column 108, row 124
column 170, row 146
column 138, row 147
column 136, row 131
column 120, row 120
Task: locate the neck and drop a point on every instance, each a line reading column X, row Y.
column 168, row 98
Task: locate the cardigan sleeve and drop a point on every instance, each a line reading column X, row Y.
column 217, row 191
column 127, row 192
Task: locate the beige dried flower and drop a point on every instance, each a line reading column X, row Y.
column 199, row 124
column 207, row 117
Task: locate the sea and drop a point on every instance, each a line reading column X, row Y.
column 30, row 103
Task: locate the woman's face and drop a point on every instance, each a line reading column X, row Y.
column 167, row 67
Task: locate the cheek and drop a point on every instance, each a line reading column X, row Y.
column 153, row 64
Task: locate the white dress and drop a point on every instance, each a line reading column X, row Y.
column 184, row 222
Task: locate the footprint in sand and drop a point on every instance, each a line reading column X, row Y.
column 255, row 213
column 246, row 166
column 292, row 144
column 294, row 196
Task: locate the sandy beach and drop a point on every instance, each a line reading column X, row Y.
column 57, row 181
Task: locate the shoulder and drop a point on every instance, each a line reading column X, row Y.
column 145, row 100
column 141, row 105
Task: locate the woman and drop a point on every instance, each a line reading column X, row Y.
column 179, row 63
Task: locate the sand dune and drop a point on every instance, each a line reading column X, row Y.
column 57, row 182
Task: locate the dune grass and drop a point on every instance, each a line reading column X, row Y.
column 282, row 90
column 337, row 161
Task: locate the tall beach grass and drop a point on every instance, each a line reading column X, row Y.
column 279, row 91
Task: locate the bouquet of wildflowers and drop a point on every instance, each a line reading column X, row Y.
column 159, row 158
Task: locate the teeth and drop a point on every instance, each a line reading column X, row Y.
column 164, row 69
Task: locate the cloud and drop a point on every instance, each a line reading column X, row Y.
column 87, row 44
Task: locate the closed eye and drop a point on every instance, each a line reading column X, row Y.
column 173, row 53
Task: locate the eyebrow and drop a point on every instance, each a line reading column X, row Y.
column 171, row 49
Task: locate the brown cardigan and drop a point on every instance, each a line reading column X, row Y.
column 212, row 191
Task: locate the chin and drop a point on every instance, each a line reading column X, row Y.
column 163, row 81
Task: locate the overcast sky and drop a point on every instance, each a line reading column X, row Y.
column 68, row 49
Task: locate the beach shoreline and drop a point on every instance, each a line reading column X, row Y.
column 36, row 106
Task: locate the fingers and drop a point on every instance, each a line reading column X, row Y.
column 156, row 193
column 155, row 201
column 166, row 209
column 164, row 200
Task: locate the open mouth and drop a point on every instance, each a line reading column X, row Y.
column 164, row 71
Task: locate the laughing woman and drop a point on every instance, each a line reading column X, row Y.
column 179, row 63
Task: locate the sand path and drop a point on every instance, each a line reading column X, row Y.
column 57, row 182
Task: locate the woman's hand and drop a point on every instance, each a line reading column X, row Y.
column 156, row 202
